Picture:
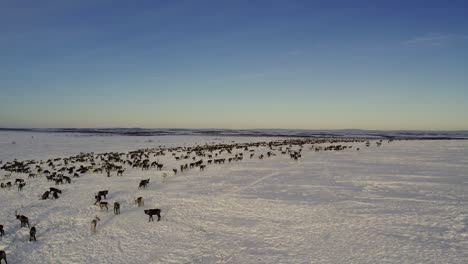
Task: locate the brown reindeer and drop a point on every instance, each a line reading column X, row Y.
column 2, row 231
column 103, row 205
column 152, row 212
column 139, row 201
column 93, row 224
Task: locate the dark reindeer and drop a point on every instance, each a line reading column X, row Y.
column 116, row 208
column 98, row 199
column 45, row 196
column 3, row 256
column 23, row 219
column 103, row 193
column 58, row 181
column 143, row 184
column 18, row 181
column 67, row 179
column 32, row 234
column 2, row 231
column 21, row 185
column 152, row 212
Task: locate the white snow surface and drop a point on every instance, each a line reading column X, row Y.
column 403, row 202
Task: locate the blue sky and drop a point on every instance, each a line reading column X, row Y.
column 234, row 64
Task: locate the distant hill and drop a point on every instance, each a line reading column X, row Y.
column 347, row 133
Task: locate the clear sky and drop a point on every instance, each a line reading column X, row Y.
column 234, row 64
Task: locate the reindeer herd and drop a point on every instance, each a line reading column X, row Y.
column 62, row 170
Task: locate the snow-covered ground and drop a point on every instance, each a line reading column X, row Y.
column 404, row 202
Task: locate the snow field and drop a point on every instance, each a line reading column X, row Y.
column 405, row 202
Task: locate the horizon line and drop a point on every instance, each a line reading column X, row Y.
column 212, row 128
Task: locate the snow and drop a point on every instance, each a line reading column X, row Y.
column 404, row 202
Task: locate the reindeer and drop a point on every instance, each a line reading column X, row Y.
column 116, row 208
column 93, row 224
column 3, row 256
column 2, row 232
column 58, row 181
column 98, row 199
column 152, row 212
column 45, row 195
column 32, row 234
column 18, row 181
column 103, row 193
column 175, row 171
column 67, row 179
column 120, row 172
column 143, row 183
column 103, row 205
column 23, row 219
column 21, row 185
column 139, row 201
